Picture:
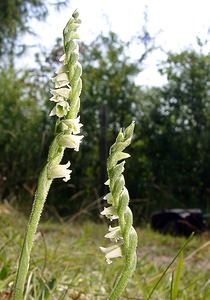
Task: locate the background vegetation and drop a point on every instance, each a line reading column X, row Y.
column 67, row 263
column 171, row 148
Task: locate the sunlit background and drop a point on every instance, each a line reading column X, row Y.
column 174, row 24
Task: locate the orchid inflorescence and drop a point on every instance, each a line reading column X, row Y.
column 66, row 97
column 123, row 237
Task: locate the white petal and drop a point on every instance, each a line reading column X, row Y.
column 112, row 252
column 108, row 197
column 63, row 92
column 71, row 141
column 62, row 58
column 60, row 171
column 107, row 182
column 114, row 234
column 110, row 212
column 62, row 69
column 60, row 109
column 60, row 80
column 73, row 124
column 56, row 98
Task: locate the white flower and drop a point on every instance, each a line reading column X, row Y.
column 112, row 252
column 63, row 92
column 107, row 182
column 70, row 141
column 108, row 197
column 60, row 80
column 56, row 98
column 60, row 171
column 73, row 124
column 60, row 109
column 62, row 58
column 110, row 212
column 62, row 69
column 114, row 234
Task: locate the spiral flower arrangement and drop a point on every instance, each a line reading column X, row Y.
column 123, row 237
column 66, row 97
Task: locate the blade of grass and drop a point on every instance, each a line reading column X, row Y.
column 172, row 282
column 141, row 285
column 171, row 263
column 175, row 286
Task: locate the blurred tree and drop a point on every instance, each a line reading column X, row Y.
column 108, row 100
column 24, row 130
column 174, row 140
column 15, row 16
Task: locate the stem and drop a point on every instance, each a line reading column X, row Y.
column 130, row 259
column 41, row 194
column 129, row 268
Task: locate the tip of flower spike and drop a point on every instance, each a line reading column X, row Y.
column 129, row 130
column 75, row 14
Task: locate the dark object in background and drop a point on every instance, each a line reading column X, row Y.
column 178, row 222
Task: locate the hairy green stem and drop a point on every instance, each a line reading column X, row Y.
column 42, row 190
column 129, row 268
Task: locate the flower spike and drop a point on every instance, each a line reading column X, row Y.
column 66, row 100
column 123, row 236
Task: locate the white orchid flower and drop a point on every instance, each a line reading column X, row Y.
column 73, row 124
column 110, row 212
column 60, row 171
column 70, row 141
column 108, row 197
column 60, row 109
column 112, row 252
column 114, row 234
column 63, row 69
column 62, row 58
column 60, row 80
column 63, row 92
column 56, row 98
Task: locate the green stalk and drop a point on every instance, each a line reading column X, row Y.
column 42, row 190
column 129, row 268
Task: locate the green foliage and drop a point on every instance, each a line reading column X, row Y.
column 23, row 130
column 173, row 140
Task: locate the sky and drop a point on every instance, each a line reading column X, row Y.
column 175, row 23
